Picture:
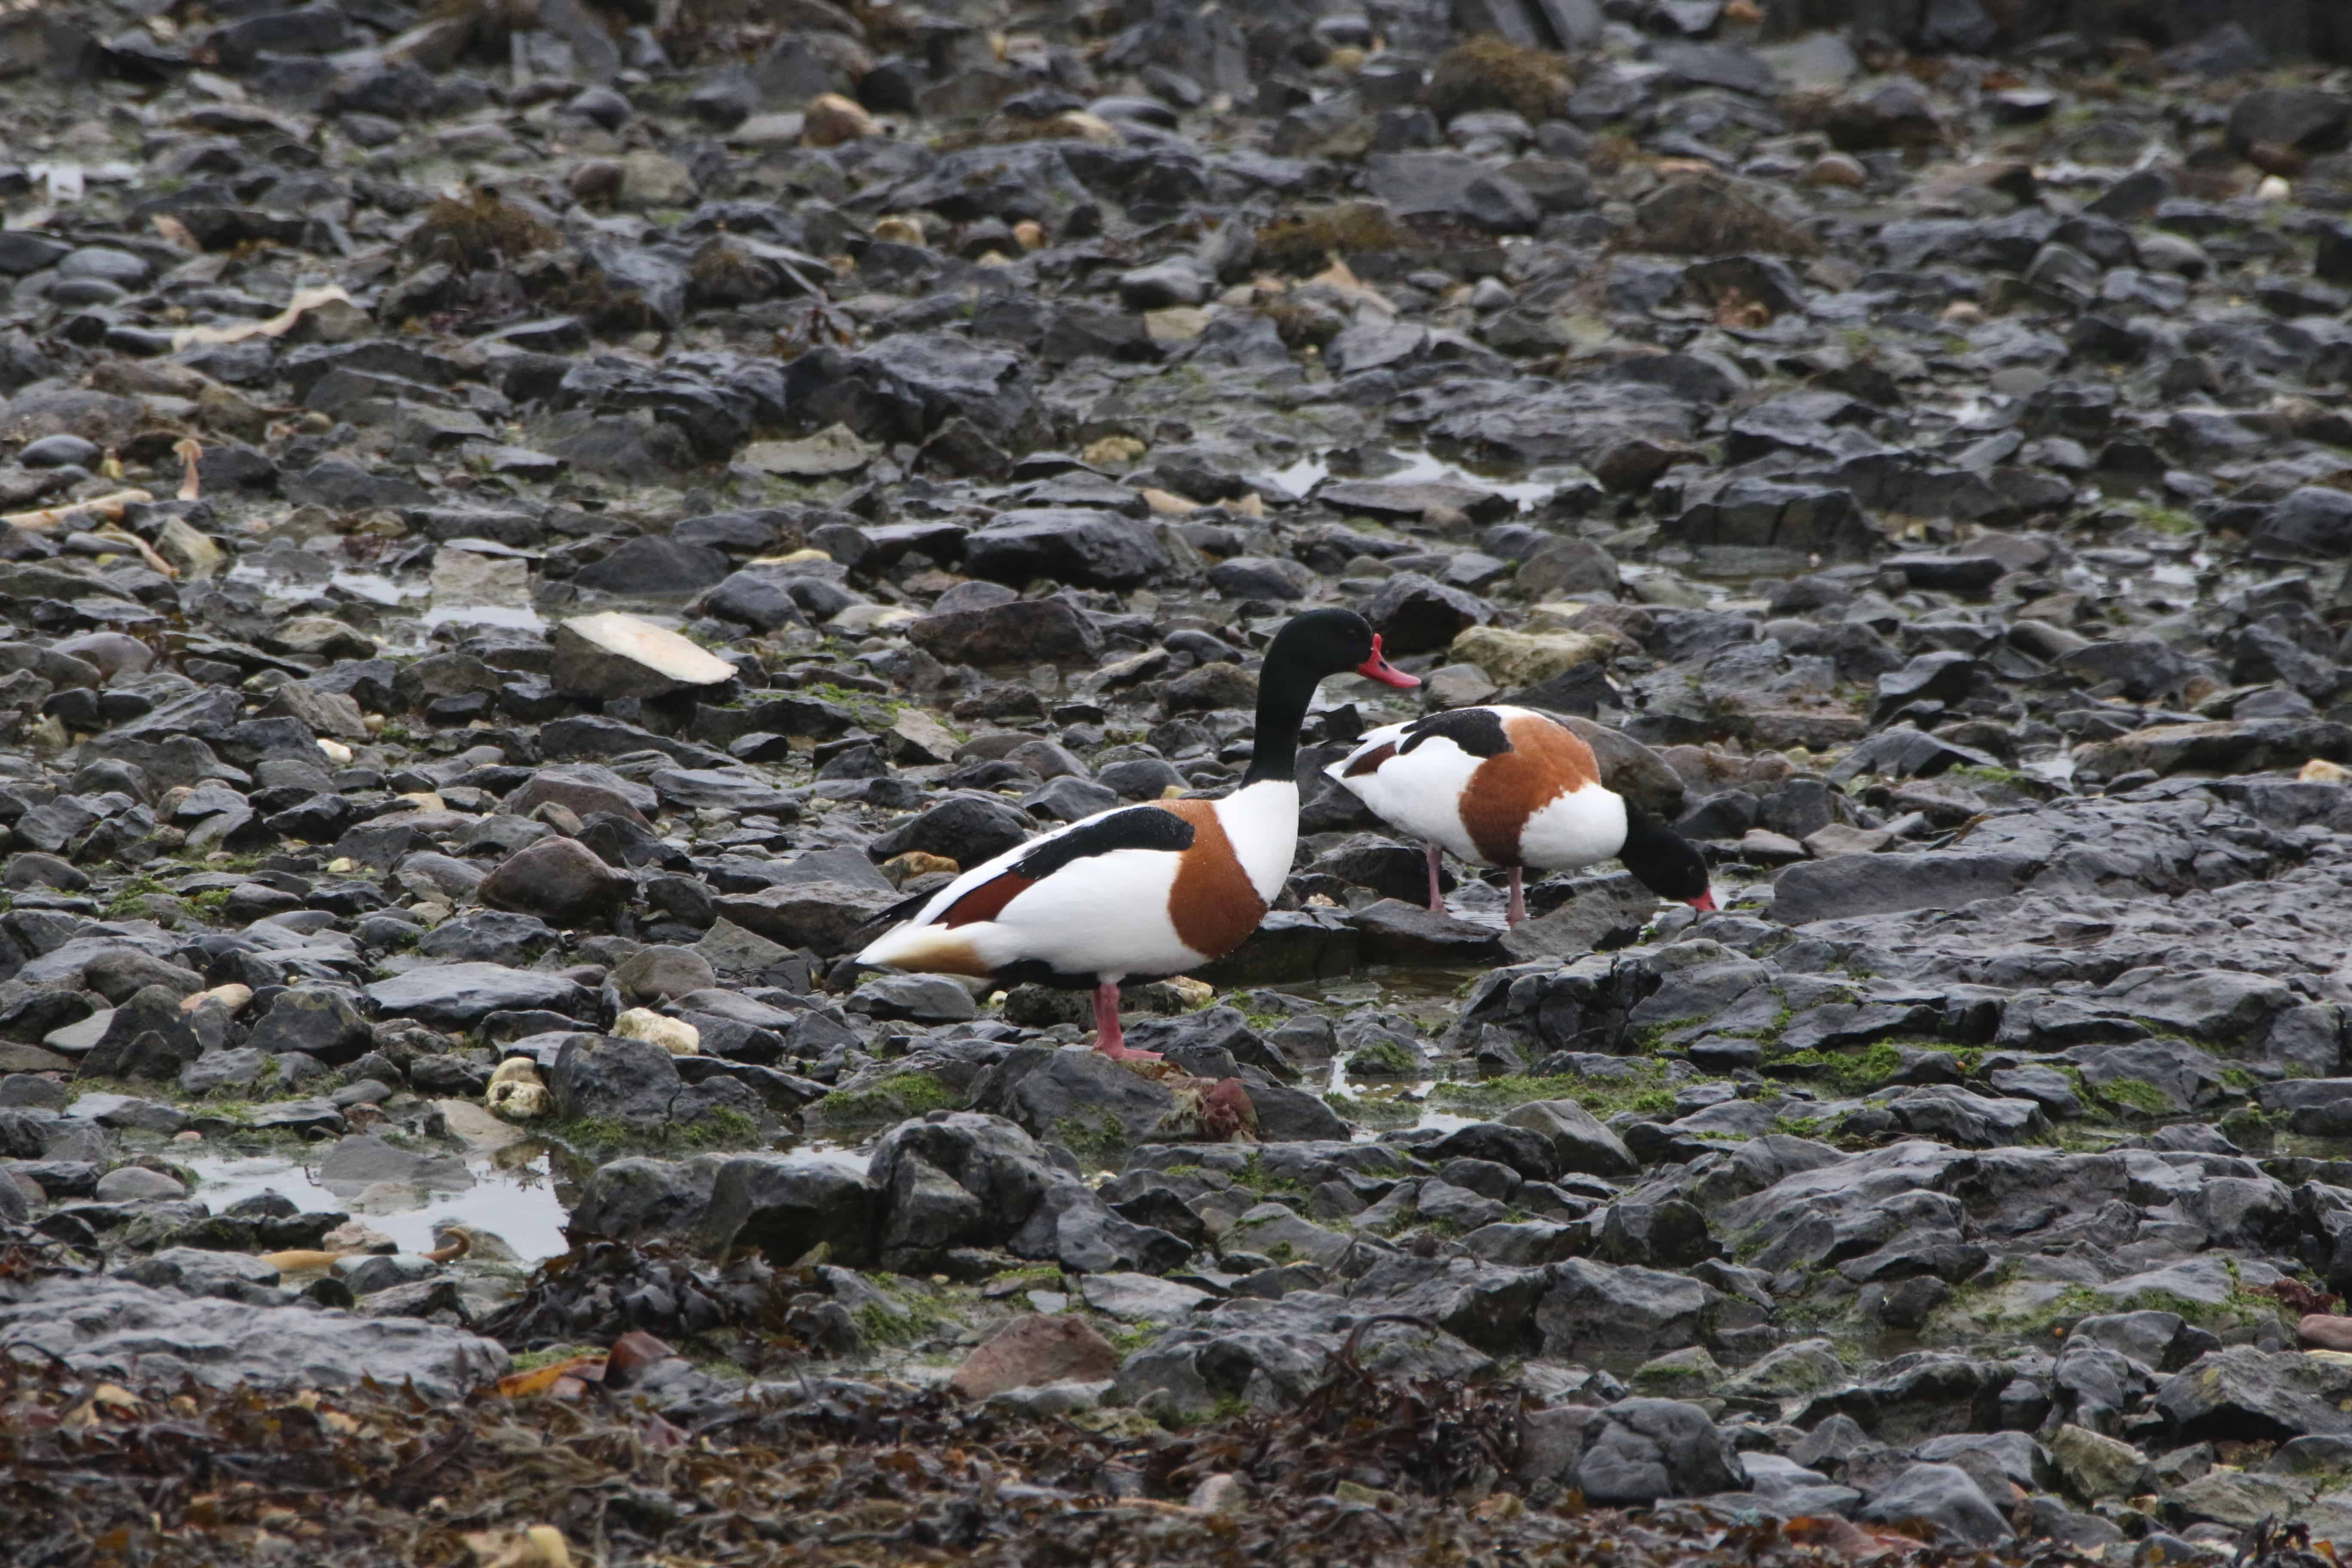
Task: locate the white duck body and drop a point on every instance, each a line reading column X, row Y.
column 1493, row 786
column 1111, row 896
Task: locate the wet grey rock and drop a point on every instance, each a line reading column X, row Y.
column 2312, row 521
column 1052, row 630
column 1641, row 1451
column 146, row 1037
column 2246, row 1393
column 962, row 1179
column 925, row 998
column 460, row 995
column 1264, row 1352
column 789, row 1208
column 319, row 1022
column 652, row 566
column 632, row 1198
column 136, row 1183
column 1593, row 1308
column 1080, row 1099
column 1945, row 1497
column 1068, row 544
column 1394, row 931
column 1579, row 1140
column 823, row 916
column 662, row 973
column 635, row 1086
column 965, row 828
column 382, row 1273
column 1414, row 614
column 152, row 1337
column 489, row 936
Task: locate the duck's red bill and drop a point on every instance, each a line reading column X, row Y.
column 1704, row 903
column 1381, row 671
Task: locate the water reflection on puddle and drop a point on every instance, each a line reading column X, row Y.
column 522, row 1193
column 522, row 617
column 513, row 1197
column 368, row 587
column 1419, row 469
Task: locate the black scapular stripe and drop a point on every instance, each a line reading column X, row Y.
column 1477, row 730
column 903, row 909
column 1135, row 827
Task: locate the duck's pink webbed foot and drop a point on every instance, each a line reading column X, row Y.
column 1109, row 1039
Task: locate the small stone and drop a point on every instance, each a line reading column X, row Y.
column 1838, row 838
column 136, row 1183
column 675, row 1036
column 830, row 119
column 1113, row 452
column 1032, row 1350
column 2324, row 1332
column 837, row 449
column 611, row 655
column 560, row 880
column 650, row 179
column 1836, row 168
column 2096, row 1466
column 1223, row 1492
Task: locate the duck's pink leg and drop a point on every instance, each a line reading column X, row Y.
column 1108, row 1037
column 1516, row 911
column 1436, row 899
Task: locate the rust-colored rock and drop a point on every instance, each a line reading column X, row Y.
column 1032, row 1350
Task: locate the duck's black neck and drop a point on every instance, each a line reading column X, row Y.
column 1285, row 687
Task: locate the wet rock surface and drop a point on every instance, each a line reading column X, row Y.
column 526, row 530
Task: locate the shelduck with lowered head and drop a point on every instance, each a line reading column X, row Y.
column 1150, row 890
column 1507, row 787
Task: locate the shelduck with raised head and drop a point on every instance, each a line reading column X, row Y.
column 1509, row 787
column 1143, row 891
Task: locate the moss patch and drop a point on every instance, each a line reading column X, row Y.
column 1384, row 1058
column 1491, row 72
column 2164, row 519
column 875, row 710
column 1301, row 326
column 2136, row 1094
column 1375, row 1110
column 1103, row 1142
column 912, row 1313
column 1130, row 1338
column 1645, row 1094
column 1305, row 243
column 532, row 1361
column 1257, row 1179
column 1706, row 218
column 476, row 229
column 892, row 1100
column 718, row 1128
column 127, row 898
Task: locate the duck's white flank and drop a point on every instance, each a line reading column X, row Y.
column 1437, row 792
column 1122, row 913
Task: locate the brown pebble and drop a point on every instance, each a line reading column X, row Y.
column 598, row 179
column 2324, row 1332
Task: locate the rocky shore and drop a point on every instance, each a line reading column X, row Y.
column 528, row 526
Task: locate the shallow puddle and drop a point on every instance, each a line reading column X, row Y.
column 521, row 1194
column 1418, row 469
column 514, row 1196
column 520, row 618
